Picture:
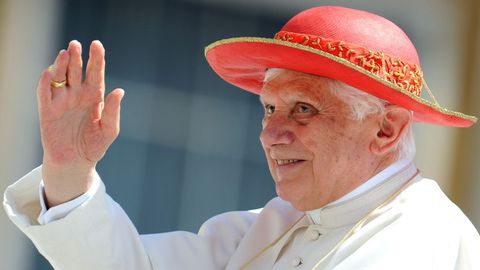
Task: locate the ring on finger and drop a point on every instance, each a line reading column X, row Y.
column 58, row 84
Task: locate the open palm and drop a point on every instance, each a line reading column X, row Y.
column 77, row 124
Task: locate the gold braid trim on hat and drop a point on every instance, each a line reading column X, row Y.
column 407, row 76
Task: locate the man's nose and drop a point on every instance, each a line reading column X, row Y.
column 277, row 130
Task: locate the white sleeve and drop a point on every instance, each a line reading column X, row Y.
column 60, row 211
column 98, row 234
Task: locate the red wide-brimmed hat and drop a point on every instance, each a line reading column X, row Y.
column 356, row 47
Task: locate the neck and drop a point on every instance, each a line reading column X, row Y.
column 383, row 163
column 365, row 172
column 371, row 182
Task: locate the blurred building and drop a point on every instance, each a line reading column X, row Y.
column 189, row 145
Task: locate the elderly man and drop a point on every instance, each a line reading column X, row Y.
column 340, row 88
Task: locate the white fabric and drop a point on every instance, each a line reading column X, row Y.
column 421, row 229
column 48, row 215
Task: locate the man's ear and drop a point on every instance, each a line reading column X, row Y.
column 392, row 126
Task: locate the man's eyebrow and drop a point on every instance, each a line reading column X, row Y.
column 298, row 97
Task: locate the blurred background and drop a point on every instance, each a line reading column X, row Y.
column 189, row 145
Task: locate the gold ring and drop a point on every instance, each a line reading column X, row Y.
column 58, row 84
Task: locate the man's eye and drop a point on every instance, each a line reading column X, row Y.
column 304, row 109
column 269, row 109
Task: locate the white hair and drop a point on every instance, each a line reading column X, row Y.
column 361, row 105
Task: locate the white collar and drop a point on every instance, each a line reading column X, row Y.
column 376, row 180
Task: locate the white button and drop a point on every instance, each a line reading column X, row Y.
column 314, row 235
column 297, row 261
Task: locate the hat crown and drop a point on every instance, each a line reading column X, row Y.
column 357, row 27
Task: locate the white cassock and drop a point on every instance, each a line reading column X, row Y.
column 413, row 226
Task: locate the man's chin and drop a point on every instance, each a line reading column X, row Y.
column 300, row 205
column 298, row 200
column 288, row 195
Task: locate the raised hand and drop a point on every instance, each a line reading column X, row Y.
column 77, row 125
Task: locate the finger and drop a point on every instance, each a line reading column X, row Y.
column 111, row 113
column 59, row 73
column 44, row 95
column 74, row 69
column 59, row 68
column 96, row 66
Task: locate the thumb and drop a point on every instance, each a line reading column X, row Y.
column 111, row 113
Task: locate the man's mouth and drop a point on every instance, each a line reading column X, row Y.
column 286, row 161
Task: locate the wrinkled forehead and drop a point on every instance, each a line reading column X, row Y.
column 294, row 84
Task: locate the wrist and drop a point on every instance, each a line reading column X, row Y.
column 65, row 183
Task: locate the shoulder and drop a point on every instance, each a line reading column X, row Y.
column 427, row 213
column 423, row 227
column 424, row 199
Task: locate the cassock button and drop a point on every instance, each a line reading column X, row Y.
column 314, row 235
column 297, row 261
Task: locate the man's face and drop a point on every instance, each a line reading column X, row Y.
column 313, row 146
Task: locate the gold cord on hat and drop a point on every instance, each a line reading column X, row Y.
column 430, row 93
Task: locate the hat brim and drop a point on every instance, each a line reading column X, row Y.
column 243, row 61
